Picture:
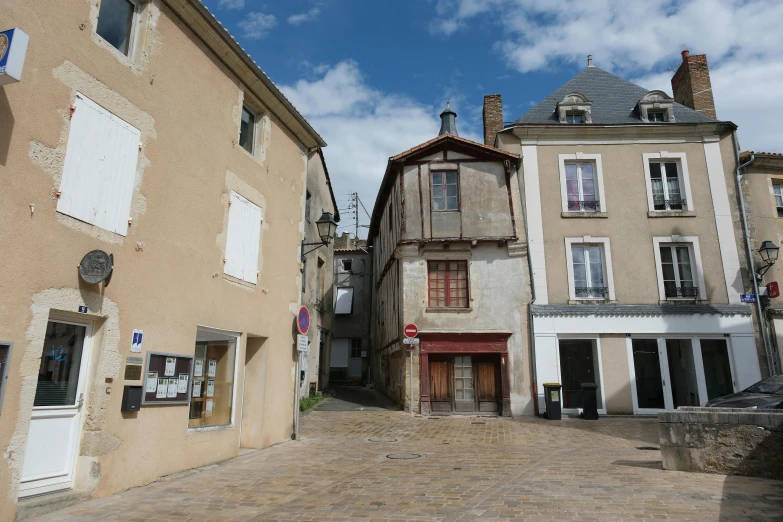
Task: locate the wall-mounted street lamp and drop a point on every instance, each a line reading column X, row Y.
column 769, row 252
column 326, row 229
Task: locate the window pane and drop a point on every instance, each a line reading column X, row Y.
column 437, row 178
column 570, row 169
column 438, row 204
column 437, row 191
column 61, row 358
column 671, row 169
column 213, row 407
column 451, row 178
column 572, row 188
column 451, row 190
column 451, row 203
column 666, row 254
column 587, row 170
column 596, row 266
column 655, row 170
column 580, row 275
column 776, row 189
column 588, row 189
column 578, row 254
column 115, row 20
column 247, row 130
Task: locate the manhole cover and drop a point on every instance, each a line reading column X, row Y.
column 382, row 439
column 403, row 456
column 648, row 448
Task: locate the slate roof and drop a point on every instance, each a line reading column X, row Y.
column 614, row 101
column 602, row 309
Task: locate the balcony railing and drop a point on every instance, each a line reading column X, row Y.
column 675, row 203
column 682, row 292
column 584, row 206
column 319, row 305
column 591, row 292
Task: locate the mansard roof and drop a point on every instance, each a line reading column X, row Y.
column 614, row 101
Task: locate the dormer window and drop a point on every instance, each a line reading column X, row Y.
column 656, row 107
column 574, row 108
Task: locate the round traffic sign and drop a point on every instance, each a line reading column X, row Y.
column 303, row 320
column 411, row 330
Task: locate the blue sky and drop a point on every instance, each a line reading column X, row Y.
column 372, row 76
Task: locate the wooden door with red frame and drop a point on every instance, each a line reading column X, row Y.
column 487, row 372
column 440, row 384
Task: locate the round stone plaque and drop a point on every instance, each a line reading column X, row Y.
column 96, row 266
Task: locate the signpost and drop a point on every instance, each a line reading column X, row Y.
column 303, row 325
column 411, row 331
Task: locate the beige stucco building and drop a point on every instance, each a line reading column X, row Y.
column 197, row 189
column 635, row 244
column 762, row 186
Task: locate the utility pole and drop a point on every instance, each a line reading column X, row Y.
column 356, row 214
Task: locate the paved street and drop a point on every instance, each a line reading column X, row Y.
column 469, row 469
column 356, row 398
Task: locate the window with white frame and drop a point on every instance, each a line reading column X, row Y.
column 344, row 304
column 678, row 264
column 581, row 183
column 581, row 190
column 247, row 129
column 100, row 167
column 589, row 268
column 656, row 116
column 243, row 239
column 668, row 188
column 574, row 117
column 445, row 191
column 777, row 191
column 117, row 23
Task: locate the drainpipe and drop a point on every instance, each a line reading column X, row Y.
column 531, row 333
column 771, row 363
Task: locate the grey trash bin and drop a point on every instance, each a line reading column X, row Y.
column 589, row 401
column 552, row 399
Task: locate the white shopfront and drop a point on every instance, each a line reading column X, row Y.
column 673, row 359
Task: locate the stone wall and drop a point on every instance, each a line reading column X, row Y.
column 729, row 441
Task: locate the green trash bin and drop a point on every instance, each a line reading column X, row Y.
column 552, row 399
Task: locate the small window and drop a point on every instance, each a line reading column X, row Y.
column 666, row 186
column 304, row 275
column 243, row 239
column 212, row 392
column 116, row 20
column 656, row 116
column 346, row 265
column 307, row 206
column 581, row 188
column 247, row 129
column 344, row 305
column 677, row 271
column 356, row 348
column 574, row 117
column 445, row 191
column 5, row 356
column 589, row 277
column 448, row 284
column 777, row 189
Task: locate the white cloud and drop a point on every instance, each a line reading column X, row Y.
column 231, row 4
column 741, row 38
column 301, row 18
column 257, row 25
column 362, row 126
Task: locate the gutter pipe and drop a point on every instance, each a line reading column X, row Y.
column 771, row 363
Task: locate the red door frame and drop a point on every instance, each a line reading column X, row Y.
column 462, row 344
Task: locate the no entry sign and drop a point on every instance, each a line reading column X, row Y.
column 303, row 320
column 411, row 330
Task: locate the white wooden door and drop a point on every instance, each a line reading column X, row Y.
column 56, row 421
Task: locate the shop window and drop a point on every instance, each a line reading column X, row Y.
column 578, row 364
column 243, row 239
column 212, row 393
column 117, row 23
column 445, row 191
column 448, row 284
column 100, row 168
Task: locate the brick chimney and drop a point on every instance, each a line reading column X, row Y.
column 493, row 118
column 691, row 84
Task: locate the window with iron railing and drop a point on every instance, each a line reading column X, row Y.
column 581, row 187
column 589, row 279
column 666, row 186
column 777, row 190
column 677, row 270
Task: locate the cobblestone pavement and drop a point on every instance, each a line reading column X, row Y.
column 470, row 469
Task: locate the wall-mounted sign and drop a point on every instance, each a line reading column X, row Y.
column 302, row 343
column 411, row 330
column 82, row 309
column 303, row 320
column 748, row 298
column 96, row 266
column 167, row 378
column 136, row 342
column 13, row 48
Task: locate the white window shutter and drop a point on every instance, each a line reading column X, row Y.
column 243, row 238
column 100, row 168
column 344, row 305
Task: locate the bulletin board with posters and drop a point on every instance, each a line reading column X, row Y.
column 167, row 378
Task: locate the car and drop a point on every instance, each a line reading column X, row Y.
column 765, row 394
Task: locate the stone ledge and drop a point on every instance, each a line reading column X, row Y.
column 584, row 215
column 670, row 213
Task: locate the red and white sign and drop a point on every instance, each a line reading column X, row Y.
column 773, row 290
column 411, row 330
column 303, row 320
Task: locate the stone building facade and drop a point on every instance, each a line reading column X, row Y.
column 197, row 190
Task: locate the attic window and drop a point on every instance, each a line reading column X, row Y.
column 575, row 108
column 656, row 107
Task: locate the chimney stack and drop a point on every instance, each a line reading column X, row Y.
column 493, row 118
column 691, row 84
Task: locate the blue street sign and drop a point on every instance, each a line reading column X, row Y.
column 748, row 298
column 13, row 47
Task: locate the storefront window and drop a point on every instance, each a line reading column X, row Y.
column 578, row 364
column 212, row 395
